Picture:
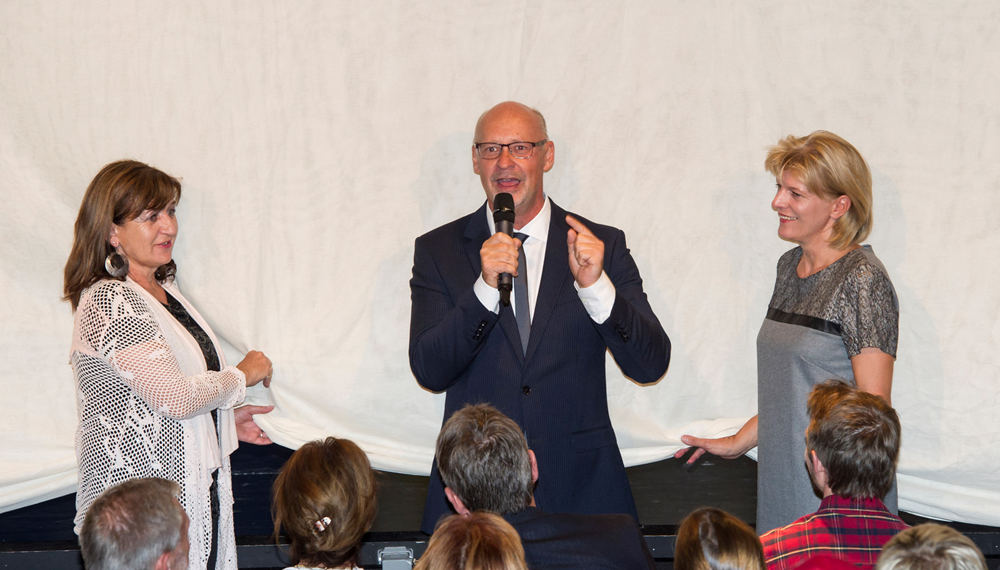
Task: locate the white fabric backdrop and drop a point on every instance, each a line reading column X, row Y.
column 316, row 140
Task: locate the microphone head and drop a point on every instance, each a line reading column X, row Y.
column 503, row 208
column 503, row 201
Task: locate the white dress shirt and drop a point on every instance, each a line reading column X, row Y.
column 598, row 299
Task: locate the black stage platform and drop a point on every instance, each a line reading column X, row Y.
column 41, row 536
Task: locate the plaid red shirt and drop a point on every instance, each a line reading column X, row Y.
column 852, row 530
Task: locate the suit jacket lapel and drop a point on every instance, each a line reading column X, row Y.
column 554, row 275
column 476, row 233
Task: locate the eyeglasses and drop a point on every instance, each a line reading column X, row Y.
column 491, row 150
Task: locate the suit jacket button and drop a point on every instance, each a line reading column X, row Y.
column 624, row 336
column 526, row 390
column 476, row 336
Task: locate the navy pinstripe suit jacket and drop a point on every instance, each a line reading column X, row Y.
column 556, row 392
column 570, row 541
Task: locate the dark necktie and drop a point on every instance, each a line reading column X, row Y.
column 522, row 312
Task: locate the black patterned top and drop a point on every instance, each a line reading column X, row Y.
column 814, row 326
column 852, row 298
column 200, row 336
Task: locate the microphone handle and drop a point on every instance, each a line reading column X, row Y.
column 505, row 227
column 505, row 292
column 505, row 282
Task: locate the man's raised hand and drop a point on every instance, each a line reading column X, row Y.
column 586, row 253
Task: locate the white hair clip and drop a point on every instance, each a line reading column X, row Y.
column 321, row 524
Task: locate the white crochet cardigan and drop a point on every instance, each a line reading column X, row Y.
column 144, row 398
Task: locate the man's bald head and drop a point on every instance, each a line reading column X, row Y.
column 508, row 108
column 521, row 177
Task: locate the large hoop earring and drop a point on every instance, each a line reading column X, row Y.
column 116, row 264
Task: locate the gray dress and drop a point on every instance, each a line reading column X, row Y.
column 812, row 329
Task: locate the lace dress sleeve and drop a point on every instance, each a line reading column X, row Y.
column 870, row 315
column 119, row 327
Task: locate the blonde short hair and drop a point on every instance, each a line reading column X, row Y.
column 477, row 541
column 712, row 539
column 830, row 167
column 930, row 546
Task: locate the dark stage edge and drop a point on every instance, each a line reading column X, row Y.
column 41, row 536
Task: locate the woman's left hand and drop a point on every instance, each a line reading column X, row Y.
column 246, row 429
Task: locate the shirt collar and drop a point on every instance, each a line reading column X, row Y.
column 537, row 228
column 841, row 502
column 529, row 513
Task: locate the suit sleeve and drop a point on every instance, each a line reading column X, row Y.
column 632, row 333
column 447, row 328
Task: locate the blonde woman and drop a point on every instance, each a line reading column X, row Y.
column 833, row 315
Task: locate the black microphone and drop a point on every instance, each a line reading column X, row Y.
column 503, row 219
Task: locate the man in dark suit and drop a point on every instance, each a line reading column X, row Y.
column 577, row 293
column 485, row 462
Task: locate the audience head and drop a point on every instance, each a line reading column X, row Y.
column 830, row 167
column 930, row 547
column 120, row 192
column 711, row 539
column 136, row 525
column 476, row 541
column 484, row 461
column 855, row 436
column 325, row 500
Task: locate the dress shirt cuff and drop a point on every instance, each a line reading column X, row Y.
column 490, row 297
column 598, row 299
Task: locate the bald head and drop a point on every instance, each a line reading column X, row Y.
column 511, row 109
column 507, row 123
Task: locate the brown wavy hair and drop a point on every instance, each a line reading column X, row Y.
column 855, row 436
column 120, row 192
column 325, row 479
column 477, row 541
column 712, row 539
